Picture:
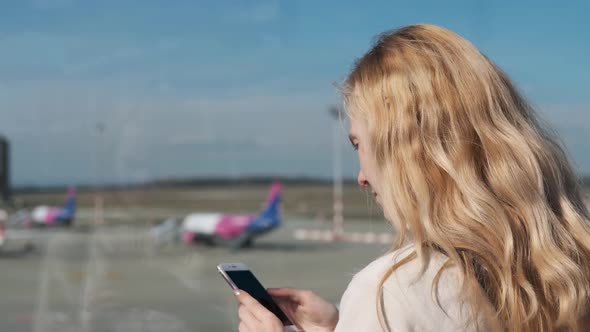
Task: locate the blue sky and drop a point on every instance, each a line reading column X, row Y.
column 197, row 88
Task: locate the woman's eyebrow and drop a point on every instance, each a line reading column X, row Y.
column 351, row 137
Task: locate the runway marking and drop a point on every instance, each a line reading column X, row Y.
column 330, row 236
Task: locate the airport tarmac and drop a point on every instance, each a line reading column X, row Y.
column 114, row 279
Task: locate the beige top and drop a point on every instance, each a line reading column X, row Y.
column 408, row 300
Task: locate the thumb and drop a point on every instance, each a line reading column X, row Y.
column 285, row 297
column 289, row 295
column 284, row 292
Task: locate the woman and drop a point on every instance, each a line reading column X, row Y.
column 493, row 232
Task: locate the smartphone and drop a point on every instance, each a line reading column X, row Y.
column 239, row 276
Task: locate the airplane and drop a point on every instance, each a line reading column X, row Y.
column 228, row 230
column 49, row 216
column 23, row 222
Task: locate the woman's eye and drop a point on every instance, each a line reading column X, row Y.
column 355, row 146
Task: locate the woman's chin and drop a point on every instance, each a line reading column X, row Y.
column 377, row 199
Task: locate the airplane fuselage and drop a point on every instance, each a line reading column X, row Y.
column 233, row 230
column 214, row 225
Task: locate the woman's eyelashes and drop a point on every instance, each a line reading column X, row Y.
column 353, row 141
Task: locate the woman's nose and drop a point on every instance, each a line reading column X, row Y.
column 362, row 180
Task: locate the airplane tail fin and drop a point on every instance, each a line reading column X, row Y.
column 70, row 205
column 270, row 217
column 273, row 201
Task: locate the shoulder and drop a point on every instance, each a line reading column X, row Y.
column 358, row 304
column 376, row 269
column 409, row 301
column 410, row 275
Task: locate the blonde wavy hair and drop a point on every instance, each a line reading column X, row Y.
column 466, row 169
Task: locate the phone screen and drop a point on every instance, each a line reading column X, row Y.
column 247, row 281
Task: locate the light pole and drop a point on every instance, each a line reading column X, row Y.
column 98, row 198
column 338, row 218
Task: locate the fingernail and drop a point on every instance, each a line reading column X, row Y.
column 236, row 292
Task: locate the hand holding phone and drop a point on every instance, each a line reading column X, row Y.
column 239, row 277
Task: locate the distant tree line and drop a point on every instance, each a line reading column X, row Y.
column 205, row 182
column 189, row 182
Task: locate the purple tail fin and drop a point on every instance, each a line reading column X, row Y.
column 273, row 201
column 70, row 206
column 275, row 190
column 270, row 218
